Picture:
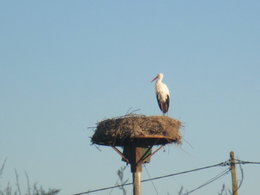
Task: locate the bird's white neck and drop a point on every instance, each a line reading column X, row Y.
column 159, row 80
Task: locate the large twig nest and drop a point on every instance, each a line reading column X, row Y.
column 137, row 129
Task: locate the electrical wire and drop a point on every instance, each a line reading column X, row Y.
column 156, row 178
column 246, row 162
column 209, row 181
column 189, row 171
column 242, row 176
column 151, row 181
column 225, row 163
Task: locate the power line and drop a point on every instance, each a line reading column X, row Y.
column 209, row 181
column 242, row 176
column 246, row 162
column 225, row 163
column 189, row 171
column 151, row 181
column 156, row 178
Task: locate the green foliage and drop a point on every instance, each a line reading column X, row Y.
column 9, row 190
column 31, row 190
column 122, row 181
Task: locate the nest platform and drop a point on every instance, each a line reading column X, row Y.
column 138, row 130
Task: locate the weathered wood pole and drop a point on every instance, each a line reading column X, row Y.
column 233, row 173
column 137, row 183
column 136, row 169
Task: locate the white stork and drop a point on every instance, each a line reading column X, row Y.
column 162, row 93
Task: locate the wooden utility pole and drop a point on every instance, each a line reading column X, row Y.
column 136, row 168
column 233, row 173
column 137, row 183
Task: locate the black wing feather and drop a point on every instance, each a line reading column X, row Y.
column 167, row 103
column 160, row 106
column 164, row 106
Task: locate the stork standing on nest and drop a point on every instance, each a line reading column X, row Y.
column 162, row 93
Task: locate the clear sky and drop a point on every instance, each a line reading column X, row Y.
column 65, row 65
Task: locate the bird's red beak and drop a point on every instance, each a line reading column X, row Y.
column 154, row 78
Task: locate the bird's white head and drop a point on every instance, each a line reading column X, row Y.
column 158, row 77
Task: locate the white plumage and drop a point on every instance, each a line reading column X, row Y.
column 162, row 93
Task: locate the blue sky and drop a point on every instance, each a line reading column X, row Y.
column 65, row 65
